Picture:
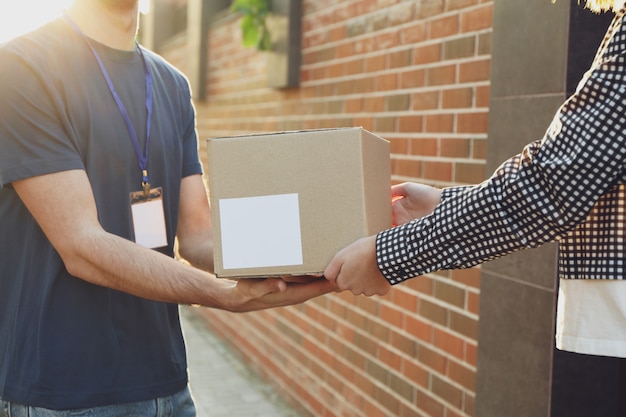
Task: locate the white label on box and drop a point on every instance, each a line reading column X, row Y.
column 261, row 231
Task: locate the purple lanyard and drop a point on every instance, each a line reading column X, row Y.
column 142, row 157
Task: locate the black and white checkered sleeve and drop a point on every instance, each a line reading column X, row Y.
column 533, row 198
column 452, row 191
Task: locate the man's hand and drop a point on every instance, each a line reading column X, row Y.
column 412, row 201
column 354, row 268
column 250, row 294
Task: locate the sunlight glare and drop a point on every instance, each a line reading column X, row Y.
column 18, row 17
column 21, row 16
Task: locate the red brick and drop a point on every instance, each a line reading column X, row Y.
column 412, row 79
column 464, row 324
column 469, row 404
column 323, row 55
column 379, row 330
column 390, row 358
column 457, row 98
column 450, row 294
column 402, row 342
column 444, row 26
column 479, row 149
column 362, row 85
column 472, row 122
column 398, row 146
column 416, row 372
column 477, row 19
column 375, row 63
column 387, row 399
column 354, row 105
column 386, row 82
column 385, row 124
column 432, row 359
column 398, row 102
column 365, row 45
column 455, row 148
column 406, row 168
column 444, row 75
column 401, row 13
column 368, row 305
column 355, row 317
column 448, row 392
column 427, row 54
column 433, row 312
column 399, row 59
column 401, row 297
column 363, row 382
column 335, row 34
column 354, row 66
column 410, row 123
column 473, row 302
column 366, row 123
column 428, row 8
column 482, row 96
column 449, row 343
column 345, row 50
column 459, row 48
column 453, row 413
column 441, row 123
column 334, row 70
column 429, row 405
column 428, row 100
column 407, row 410
column 423, row 147
column 469, row 277
column 485, row 44
column 467, row 173
column 459, row 4
column 378, row 21
column 373, row 409
column 391, row 315
column 475, row 71
column 414, row 33
column 386, row 40
column 471, row 354
column 422, row 284
column 462, row 375
column 418, row 327
column 374, row 104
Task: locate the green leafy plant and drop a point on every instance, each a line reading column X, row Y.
column 253, row 24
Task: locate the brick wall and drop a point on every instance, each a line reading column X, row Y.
column 415, row 72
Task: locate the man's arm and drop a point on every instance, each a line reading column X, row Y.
column 194, row 233
column 67, row 214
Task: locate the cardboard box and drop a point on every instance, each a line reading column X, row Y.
column 285, row 203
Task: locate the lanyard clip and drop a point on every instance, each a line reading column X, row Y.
column 145, row 183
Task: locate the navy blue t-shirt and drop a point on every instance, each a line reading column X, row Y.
column 66, row 343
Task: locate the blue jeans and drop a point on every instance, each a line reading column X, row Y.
column 177, row 405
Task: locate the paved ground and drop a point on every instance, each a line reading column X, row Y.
column 221, row 383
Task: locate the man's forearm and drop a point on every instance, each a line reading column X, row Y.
column 108, row 260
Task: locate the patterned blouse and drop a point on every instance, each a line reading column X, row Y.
column 567, row 187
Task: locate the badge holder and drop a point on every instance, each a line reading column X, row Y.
column 148, row 217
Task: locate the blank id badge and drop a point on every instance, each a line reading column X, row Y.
column 148, row 218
